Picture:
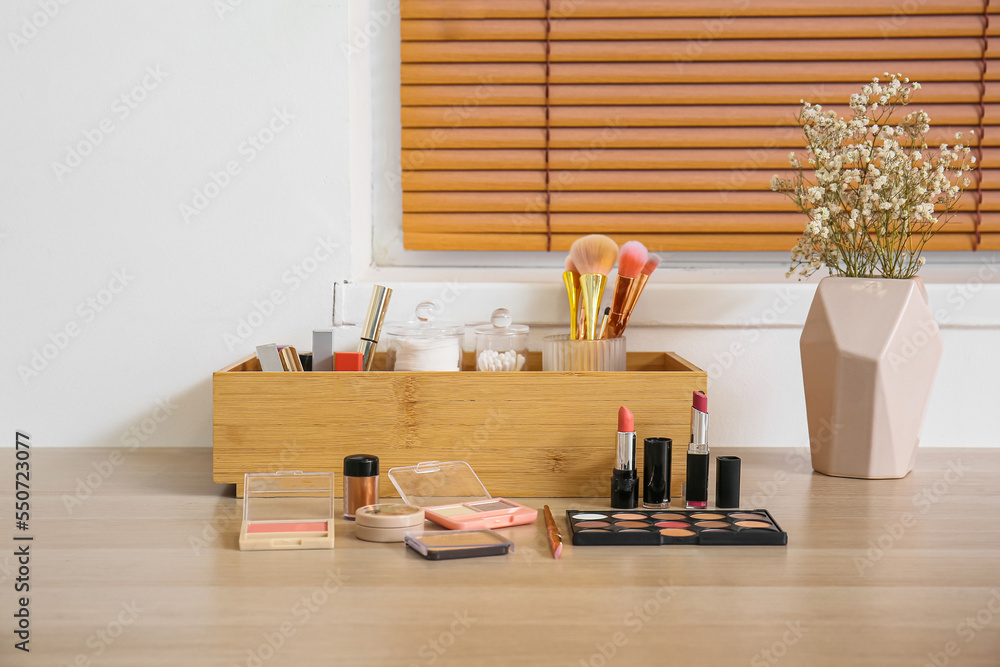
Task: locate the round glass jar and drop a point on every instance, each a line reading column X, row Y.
column 500, row 345
column 424, row 344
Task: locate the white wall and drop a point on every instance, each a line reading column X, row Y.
column 194, row 281
column 189, row 283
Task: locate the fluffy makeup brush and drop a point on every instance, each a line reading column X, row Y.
column 571, row 277
column 594, row 256
column 640, row 284
column 631, row 260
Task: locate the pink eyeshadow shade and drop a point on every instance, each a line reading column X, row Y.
column 310, row 527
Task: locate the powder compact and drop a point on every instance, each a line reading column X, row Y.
column 387, row 522
column 722, row 527
column 452, row 496
column 450, row 544
column 287, row 510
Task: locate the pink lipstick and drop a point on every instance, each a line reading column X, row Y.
column 624, row 479
column 697, row 458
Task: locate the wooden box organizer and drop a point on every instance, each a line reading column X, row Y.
column 526, row 434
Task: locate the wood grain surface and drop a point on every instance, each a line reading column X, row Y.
column 140, row 567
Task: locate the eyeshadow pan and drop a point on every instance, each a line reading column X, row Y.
column 454, row 510
column 669, row 516
column 593, row 524
column 746, row 516
column 676, row 532
column 628, row 516
column 593, row 530
column 632, row 524
column 708, row 516
column 491, row 506
column 296, row 527
column 712, row 524
column 588, row 516
column 753, row 524
column 673, row 524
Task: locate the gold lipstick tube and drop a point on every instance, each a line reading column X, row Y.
column 377, row 307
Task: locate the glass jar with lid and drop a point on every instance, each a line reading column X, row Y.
column 501, row 345
column 424, row 344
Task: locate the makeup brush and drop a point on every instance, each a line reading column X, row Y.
column 593, row 256
column 640, row 284
column 631, row 260
column 604, row 321
column 555, row 538
column 571, row 277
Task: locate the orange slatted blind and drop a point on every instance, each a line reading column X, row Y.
column 528, row 123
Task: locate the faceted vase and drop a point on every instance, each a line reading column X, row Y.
column 870, row 349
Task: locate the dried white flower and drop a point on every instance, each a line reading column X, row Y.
column 878, row 192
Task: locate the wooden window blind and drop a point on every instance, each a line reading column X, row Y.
column 527, row 123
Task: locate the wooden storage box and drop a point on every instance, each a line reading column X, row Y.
column 526, row 434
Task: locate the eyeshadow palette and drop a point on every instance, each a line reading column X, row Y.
column 649, row 527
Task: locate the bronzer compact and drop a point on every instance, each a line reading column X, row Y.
column 287, row 510
column 452, row 496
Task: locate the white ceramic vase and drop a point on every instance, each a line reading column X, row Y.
column 870, row 349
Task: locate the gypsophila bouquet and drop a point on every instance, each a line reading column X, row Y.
column 879, row 194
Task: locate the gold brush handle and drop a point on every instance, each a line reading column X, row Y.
column 591, row 293
column 574, row 302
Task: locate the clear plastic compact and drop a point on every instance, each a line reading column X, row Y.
column 452, row 496
column 287, row 510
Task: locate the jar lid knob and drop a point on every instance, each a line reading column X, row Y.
column 501, row 318
column 425, row 311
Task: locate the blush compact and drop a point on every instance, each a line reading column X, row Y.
column 287, row 510
column 452, row 496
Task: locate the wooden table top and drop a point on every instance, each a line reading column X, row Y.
column 134, row 562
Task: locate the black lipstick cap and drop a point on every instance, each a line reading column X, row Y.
column 656, row 472
column 727, row 482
